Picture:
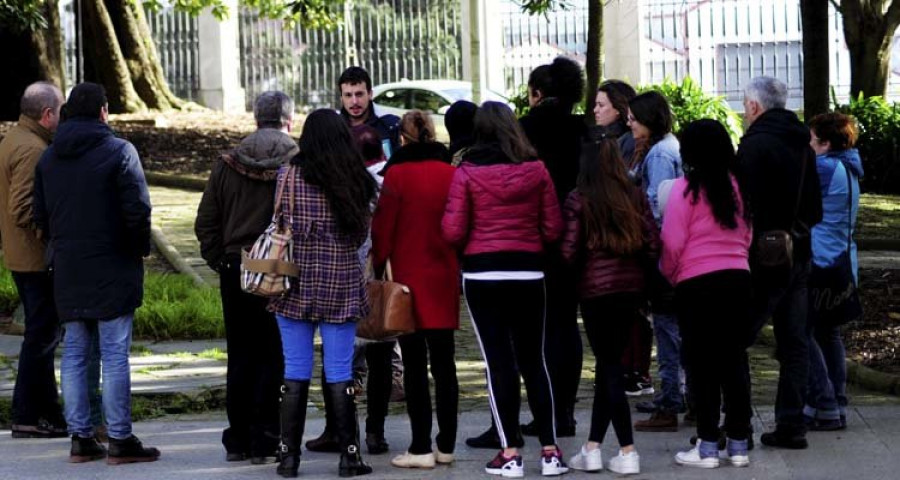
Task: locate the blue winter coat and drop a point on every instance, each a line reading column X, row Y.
column 91, row 201
column 829, row 237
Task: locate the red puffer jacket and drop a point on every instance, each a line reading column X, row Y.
column 599, row 271
column 501, row 213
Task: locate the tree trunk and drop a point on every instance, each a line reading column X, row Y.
column 120, row 54
column 48, row 47
column 816, row 72
column 594, row 61
column 869, row 35
column 103, row 59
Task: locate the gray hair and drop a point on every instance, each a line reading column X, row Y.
column 767, row 91
column 39, row 96
column 273, row 109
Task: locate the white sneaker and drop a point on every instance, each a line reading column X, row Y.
column 552, row 463
column 411, row 460
column 443, row 458
column 626, row 463
column 506, row 467
column 587, row 460
column 691, row 458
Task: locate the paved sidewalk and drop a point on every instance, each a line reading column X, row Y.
column 174, row 212
column 191, row 449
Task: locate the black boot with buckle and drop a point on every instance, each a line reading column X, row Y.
column 293, row 419
column 344, row 400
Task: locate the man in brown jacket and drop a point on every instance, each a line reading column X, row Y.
column 36, row 412
column 235, row 209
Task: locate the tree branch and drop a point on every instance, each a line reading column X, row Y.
column 892, row 17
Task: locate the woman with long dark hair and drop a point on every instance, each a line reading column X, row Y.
column 656, row 158
column 611, row 238
column 706, row 238
column 501, row 211
column 332, row 195
column 556, row 133
column 839, row 168
column 406, row 231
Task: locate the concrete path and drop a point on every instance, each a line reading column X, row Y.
column 191, row 449
column 174, row 212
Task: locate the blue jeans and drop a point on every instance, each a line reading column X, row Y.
column 668, row 357
column 337, row 349
column 115, row 343
column 826, row 396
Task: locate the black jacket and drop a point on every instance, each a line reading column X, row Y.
column 238, row 201
column 556, row 135
column 388, row 127
column 771, row 158
column 91, row 201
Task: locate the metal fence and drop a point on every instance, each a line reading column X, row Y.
column 722, row 44
column 392, row 39
column 533, row 40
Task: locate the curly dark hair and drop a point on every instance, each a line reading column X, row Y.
column 355, row 75
column 330, row 160
column 710, row 163
column 562, row 79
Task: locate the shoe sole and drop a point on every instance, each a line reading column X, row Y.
column 85, row 458
column 505, row 473
column 740, row 463
column 125, row 460
column 697, row 465
column 626, row 471
column 414, row 467
column 641, row 393
column 554, row 472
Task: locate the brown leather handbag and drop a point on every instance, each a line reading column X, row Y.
column 390, row 309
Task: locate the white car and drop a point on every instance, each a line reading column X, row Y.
column 432, row 96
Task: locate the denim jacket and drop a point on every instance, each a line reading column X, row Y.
column 662, row 162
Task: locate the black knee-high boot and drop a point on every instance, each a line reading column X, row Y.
column 293, row 419
column 344, row 401
column 327, row 441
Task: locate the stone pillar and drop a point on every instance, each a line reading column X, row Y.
column 482, row 45
column 624, row 41
column 220, row 66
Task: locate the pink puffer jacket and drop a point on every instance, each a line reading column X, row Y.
column 498, row 206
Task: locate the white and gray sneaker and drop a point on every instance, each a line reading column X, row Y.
column 587, row 460
column 692, row 458
column 626, row 463
column 552, row 463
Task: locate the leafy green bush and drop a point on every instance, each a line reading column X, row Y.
column 9, row 296
column 174, row 307
column 879, row 129
column 689, row 102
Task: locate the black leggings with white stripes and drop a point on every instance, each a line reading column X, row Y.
column 509, row 320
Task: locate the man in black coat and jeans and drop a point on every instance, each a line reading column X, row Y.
column 236, row 208
column 91, row 201
column 781, row 186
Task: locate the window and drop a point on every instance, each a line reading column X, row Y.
column 396, row 98
column 428, row 101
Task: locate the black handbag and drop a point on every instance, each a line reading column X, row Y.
column 833, row 292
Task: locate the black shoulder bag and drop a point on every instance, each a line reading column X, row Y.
column 833, row 292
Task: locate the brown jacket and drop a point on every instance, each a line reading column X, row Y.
column 240, row 195
column 20, row 151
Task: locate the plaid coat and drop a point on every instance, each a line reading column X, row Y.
column 331, row 286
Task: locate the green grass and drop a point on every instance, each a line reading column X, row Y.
column 174, row 307
column 9, row 296
column 879, row 216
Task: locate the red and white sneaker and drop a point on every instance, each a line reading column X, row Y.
column 506, row 467
column 552, row 463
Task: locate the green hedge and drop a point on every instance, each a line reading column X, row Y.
column 879, row 130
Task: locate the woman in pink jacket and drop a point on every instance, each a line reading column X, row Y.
column 706, row 239
column 501, row 211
